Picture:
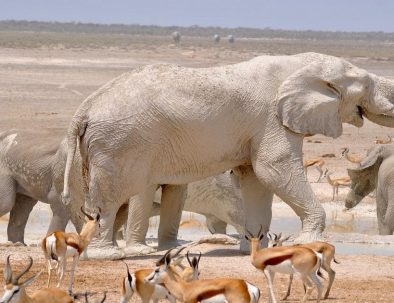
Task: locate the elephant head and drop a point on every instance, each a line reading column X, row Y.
column 328, row 91
column 364, row 178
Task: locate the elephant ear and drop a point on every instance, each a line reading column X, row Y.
column 309, row 99
column 369, row 166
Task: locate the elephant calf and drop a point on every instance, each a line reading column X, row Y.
column 375, row 171
column 28, row 165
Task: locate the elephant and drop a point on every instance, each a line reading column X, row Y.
column 177, row 37
column 168, row 124
column 376, row 171
column 28, row 167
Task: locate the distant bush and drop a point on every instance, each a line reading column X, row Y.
column 193, row 31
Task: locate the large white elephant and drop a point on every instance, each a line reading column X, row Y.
column 167, row 124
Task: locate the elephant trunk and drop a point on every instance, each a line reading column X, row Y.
column 383, row 120
column 352, row 199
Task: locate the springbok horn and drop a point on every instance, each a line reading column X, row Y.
column 86, row 214
column 178, row 251
column 199, row 257
column 98, row 214
column 188, row 259
column 276, row 236
column 128, row 272
column 8, row 271
column 161, row 260
column 250, row 234
column 105, row 297
column 17, row 277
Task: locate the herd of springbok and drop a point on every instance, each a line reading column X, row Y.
column 172, row 281
column 338, row 182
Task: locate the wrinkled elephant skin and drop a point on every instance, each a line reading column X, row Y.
column 167, row 124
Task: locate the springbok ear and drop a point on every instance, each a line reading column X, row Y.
column 167, row 260
column 309, row 99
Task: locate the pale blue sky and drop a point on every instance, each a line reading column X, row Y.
column 332, row 15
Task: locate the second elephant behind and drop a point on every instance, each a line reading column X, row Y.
column 375, row 171
column 217, row 198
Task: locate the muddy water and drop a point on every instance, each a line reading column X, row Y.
column 193, row 228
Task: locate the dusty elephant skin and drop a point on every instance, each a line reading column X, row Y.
column 28, row 167
column 376, row 171
column 166, row 124
column 217, row 198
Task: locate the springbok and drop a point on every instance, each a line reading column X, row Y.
column 59, row 245
column 298, row 260
column 328, row 255
column 336, row 183
column 15, row 291
column 135, row 283
column 204, row 291
column 351, row 158
column 317, row 163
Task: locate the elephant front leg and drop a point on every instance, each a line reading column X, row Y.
column 257, row 205
column 282, row 171
column 172, row 201
column 140, row 208
column 18, row 218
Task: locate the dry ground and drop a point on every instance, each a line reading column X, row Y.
column 359, row 278
column 41, row 86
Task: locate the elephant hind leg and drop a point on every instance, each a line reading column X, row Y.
column 19, row 216
column 59, row 219
column 172, row 201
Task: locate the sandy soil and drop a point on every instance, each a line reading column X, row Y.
column 40, row 88
column 358, row 278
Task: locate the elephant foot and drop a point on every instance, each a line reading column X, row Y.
column 307, row 237
column 138, row 249
column 168, row 244
column 15, row 243
column 102, row 253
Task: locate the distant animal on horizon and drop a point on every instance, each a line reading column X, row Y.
column 176, row 36
column 230, row 39
column 216, row 38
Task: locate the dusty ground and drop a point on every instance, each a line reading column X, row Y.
column 41, row 87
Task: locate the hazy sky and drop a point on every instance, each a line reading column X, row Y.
column 333, row 15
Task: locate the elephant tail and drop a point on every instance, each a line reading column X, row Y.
column 75, row 131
